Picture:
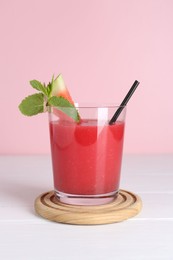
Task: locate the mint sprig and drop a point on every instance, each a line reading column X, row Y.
column 39, row 102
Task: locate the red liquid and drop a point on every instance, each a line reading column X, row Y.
column 86, row 157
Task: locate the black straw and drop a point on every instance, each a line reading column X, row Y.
column 124, row 102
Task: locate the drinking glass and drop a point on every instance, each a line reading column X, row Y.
column 86, row 156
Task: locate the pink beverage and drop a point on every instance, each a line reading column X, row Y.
column 86, row 157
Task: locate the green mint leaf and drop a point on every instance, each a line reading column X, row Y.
column 49, row 86
column 49, row 89
column 32, row 105
column 39, row 86
column 65, row 106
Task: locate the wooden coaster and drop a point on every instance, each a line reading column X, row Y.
column 125, row 206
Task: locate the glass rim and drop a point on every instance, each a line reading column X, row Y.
column 94, row 106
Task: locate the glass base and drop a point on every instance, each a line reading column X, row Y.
column 85, row 200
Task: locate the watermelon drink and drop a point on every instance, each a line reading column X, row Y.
column 86, row 142
column 86, row 156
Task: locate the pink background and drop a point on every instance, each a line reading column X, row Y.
column 100, row 47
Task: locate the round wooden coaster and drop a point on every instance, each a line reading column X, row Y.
column 125, row 206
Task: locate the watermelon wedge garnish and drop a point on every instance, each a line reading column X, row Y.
column 59, row 89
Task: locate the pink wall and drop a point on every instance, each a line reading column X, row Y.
column 101, row 47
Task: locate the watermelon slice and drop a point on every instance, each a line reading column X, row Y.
column 59, row 89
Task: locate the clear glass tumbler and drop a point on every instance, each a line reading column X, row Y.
column 86, row 156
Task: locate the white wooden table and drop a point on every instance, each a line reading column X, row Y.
column 25, row 236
